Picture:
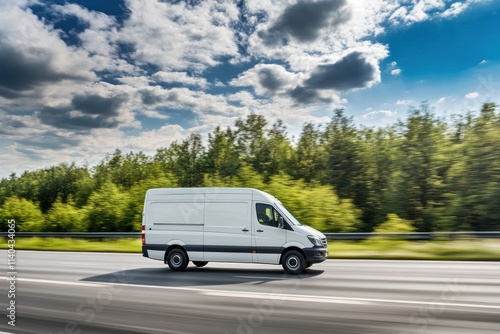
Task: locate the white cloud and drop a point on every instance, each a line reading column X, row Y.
column 376, row 118
column 379, row 114
column 404, row 102
column 41, row 60
column 441, row 100
column 219, row 83
column 98, row 39
column 179, row 77
column 180, row 36
column 268, row 79
column 455, row 9
column 482, row 62
column 396, row 71
column 96, row 20
column 422, row 9
column 414, row 11
column 472, row 95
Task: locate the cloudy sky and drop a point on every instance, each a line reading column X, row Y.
column 81, row 78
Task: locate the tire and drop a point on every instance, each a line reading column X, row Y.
column 177, row 259
column 200, row 264
column 308, row 265
column 293, row 262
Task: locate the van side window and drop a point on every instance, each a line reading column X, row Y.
column 267, row 215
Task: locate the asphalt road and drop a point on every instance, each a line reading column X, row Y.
column 125, row 293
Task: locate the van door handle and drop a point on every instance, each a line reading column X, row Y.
column 245, row 229
column 260, row 231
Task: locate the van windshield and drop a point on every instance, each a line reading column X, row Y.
column 292, row 219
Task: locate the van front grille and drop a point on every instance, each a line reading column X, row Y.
column 324, row 242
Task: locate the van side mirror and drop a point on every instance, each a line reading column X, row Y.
column 281, row 223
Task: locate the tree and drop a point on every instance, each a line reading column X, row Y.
column 106, row 209
column 126, row 170
column 251, row 141
column 308, row 158
column 222, row 155
column 63, row 217
column 418, row 195
column 278, row 151
column 345, row 168
column 315, row 205
column 58, row 182
column 476, row 177
column 393, row 224
column 189, row 156
column 27, row 215
column 379, row 154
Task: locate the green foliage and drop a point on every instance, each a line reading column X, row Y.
column 27, row 215
column 222, row 157
column 308, row 157
column 391, row 225
column 189, row 161
column 417, row 185
column 395, row 224
column 106, row 210
column 315, row 205
column 63, row 217
column 475, row 179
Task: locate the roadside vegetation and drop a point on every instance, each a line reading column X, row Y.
column 422, row 174
column 450, row 250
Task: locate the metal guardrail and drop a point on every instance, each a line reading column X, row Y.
column 415, row 235
column 330, row 236
column 82, row 235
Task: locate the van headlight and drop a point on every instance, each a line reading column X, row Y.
column 315, row 241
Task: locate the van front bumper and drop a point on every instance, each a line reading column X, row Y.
column 315, row 254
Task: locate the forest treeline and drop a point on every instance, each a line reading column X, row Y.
column 421, row 174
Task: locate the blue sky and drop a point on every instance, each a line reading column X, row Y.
column 81, row 78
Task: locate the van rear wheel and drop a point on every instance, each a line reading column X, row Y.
column 177, row 259
column 200, row 264
column 293, row 262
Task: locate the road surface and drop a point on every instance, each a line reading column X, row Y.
column 59, row 292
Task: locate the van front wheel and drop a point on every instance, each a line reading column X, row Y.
column 177, row 259
column 200, row 264
column 293, row 262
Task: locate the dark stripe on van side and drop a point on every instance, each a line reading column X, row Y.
column 227, row 249
column 155, row 247
column 194, row 248
column 269, row 250
column 220, row 249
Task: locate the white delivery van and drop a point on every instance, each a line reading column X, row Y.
column 226, row 225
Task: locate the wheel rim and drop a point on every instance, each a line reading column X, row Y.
column 176, row 260
column 293, row 262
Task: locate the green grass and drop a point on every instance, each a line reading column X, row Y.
column 77, row 245
column 466, row 249
column 455, row 250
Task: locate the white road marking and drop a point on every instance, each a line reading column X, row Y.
column 280, row 296
column 44, row 281
column 271, row 295
column 336, row 300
